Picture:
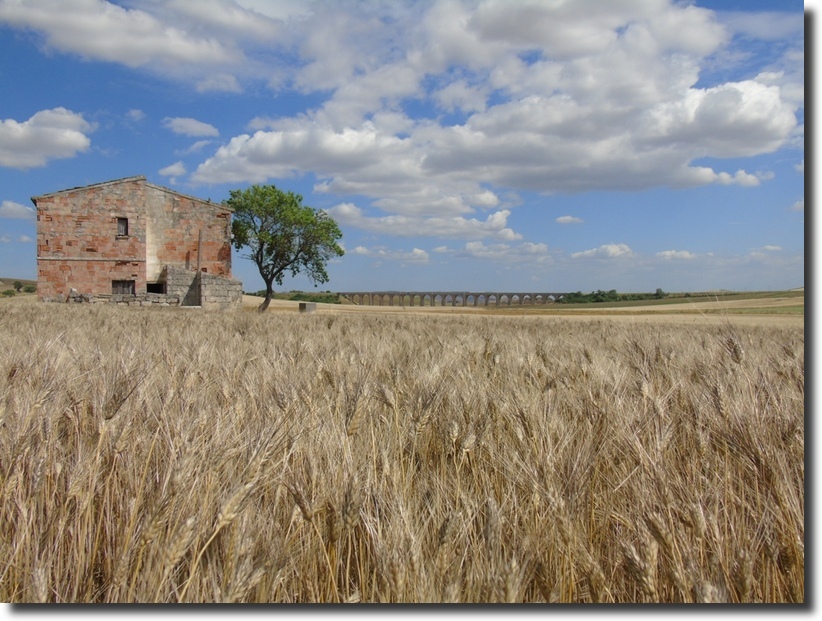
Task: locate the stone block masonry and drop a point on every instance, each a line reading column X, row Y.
column 206, row 290
column 221, row 293
column 183, row 288
column 146, row 299
column 182, row 283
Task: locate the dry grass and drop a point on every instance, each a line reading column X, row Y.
column 173, row 455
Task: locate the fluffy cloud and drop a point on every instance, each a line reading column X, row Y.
column 194, row 148
column 676, row 254
column 607, row 251
column 506, row 253
column 23, row 239
column 242, row 19
column 10, row 209
column 569, row 220
column 494, row 226
column 189, row 127
column 49, row 134
column 177, row 169
column 731, row 120
column 434, row 110
column 799, row 205
column 415, row 256
column 545, row 97
column 101, row 30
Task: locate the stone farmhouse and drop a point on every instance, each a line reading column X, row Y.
column 128, row 241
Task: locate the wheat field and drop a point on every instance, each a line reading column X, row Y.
column 171, row 455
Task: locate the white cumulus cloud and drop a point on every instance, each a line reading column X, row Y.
column 676, row 254
column 47, row 135
column 175, row 170
column 448, row 109
column 606, row 251
column 569, row 220
column 100, row 30
column 416, row 255
column 526, row 252
column 495, row 225
column 525, row 96
column 194, row 148
column 189, row 127
column 10, row 209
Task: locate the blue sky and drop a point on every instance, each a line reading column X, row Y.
column 479, row 145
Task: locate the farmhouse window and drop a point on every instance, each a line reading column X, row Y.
column 122, row 227
column 155, row 287
column 123, row 287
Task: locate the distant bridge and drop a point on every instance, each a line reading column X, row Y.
column 449, row 298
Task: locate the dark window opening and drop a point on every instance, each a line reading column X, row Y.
column 122, row 287
column 155, row 287
column 122, row 227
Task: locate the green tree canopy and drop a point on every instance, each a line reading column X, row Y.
column 282, row 235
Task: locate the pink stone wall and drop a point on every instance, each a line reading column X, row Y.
column 78, row 245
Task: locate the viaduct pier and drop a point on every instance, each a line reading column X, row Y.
column 449, row 298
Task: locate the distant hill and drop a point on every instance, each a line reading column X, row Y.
column 8, row 283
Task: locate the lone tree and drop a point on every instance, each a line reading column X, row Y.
column 283, row 235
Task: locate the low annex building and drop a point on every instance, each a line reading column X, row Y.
column 132, row 242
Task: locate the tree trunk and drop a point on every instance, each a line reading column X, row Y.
column 269, row 293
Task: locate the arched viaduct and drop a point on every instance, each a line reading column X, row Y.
column 449, row 298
